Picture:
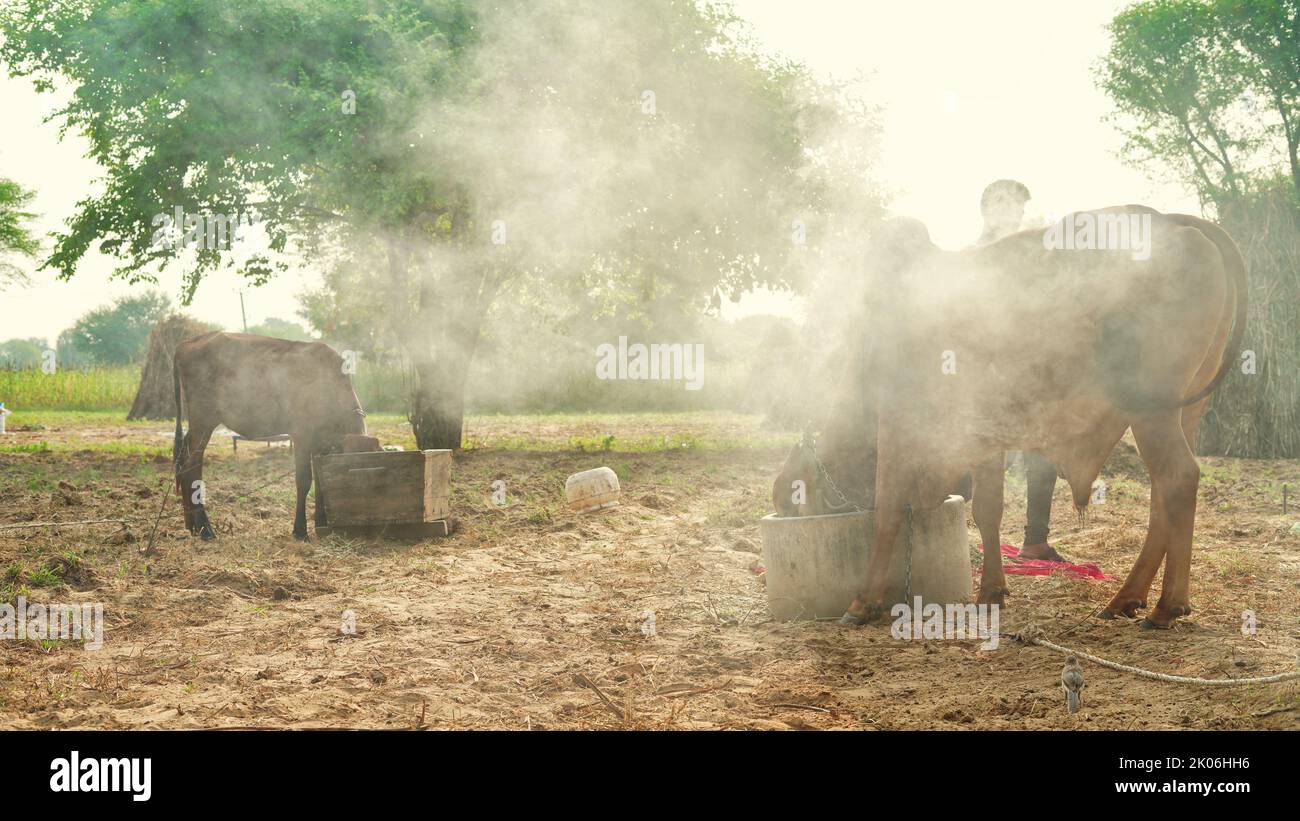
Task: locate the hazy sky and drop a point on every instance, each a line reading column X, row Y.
column 971, row 93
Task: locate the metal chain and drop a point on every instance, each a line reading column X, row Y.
column 810, row 443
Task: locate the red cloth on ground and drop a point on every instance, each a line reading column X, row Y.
column 1044, row 567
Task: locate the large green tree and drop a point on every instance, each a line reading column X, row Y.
column 16, row 237
column 116, row 334
column 1210, row 88
column 438, row 152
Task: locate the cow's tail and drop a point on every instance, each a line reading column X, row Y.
column 1118, row 341
column 1235, row 267
column 179, row 456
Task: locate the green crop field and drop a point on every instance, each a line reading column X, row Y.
column 98, row 389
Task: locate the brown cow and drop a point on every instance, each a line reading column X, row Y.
column 260, row 386
column 1017, row 346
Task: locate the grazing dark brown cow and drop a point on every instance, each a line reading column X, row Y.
column 259, row 386
column 1017, row 346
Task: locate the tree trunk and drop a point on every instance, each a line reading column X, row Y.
column 441, row 371
column 440, row 334
column 438, row 406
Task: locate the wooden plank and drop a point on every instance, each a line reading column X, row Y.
column 437, row 485
column 417, row 530
column 385, row 487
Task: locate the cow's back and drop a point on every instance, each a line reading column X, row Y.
column 259, row 386
column 1017, row 345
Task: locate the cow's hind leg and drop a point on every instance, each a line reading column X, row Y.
column 190, row 479
column 1132, row 596
column 1175, row 477
column 986, row 510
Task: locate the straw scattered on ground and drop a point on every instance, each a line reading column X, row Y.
column 535, row 617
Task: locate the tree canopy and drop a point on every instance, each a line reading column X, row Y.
column 116, row 334
column 281, row 328
column 16, row 237
column 630, row 156
column 1210, row 88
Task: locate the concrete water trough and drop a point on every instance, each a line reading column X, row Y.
column 815, row 565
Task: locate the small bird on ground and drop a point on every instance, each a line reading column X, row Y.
column 1072, row 683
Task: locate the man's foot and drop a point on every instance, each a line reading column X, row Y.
column 1042, row 550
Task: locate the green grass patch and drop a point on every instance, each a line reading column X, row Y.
column 26, row 447
column 94, row 389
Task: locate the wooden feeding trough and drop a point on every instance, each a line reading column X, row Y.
column 393, row 494
column 816, row 564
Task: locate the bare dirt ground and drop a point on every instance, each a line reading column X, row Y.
column 531, row 616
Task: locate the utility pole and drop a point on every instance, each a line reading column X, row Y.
column 243, row 316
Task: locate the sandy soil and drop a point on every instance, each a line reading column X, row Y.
column 532, row 617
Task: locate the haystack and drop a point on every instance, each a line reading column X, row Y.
column 1257, row 415
column 155, row 397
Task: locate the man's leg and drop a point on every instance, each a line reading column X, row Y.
column 1040, row 482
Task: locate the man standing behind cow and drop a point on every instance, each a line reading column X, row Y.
column 1003, row 207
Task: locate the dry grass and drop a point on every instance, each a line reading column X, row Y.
column 531, row 616
column 1259, row 414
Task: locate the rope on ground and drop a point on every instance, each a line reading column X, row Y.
column 122, row 522
column 1033, row 634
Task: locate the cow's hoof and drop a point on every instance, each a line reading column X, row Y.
column 993, row 595
column 1127, row 608
column 859, row 614
column 302, row 537
column 1162, row 618
column 207, row 535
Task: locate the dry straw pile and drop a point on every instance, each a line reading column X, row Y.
column 1258, row 415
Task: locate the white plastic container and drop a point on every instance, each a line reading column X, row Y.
column 3, row 413
column 592, row 490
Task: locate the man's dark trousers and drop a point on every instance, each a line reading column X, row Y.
column 1040, row 483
